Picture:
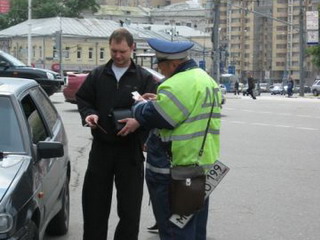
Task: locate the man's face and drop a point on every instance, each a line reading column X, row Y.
column 166, row 68
column 120, row 53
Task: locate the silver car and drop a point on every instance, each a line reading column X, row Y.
column 315, row 88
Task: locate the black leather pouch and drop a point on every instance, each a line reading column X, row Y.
column 187, row 189
column 119, row 114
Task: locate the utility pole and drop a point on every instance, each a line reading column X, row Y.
column 29, row 33
column 302, row 48
column 215, row 40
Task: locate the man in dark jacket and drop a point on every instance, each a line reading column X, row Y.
column 113, row 158
column 251, row 86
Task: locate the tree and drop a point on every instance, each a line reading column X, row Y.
column 315, row 53
column 44, row 9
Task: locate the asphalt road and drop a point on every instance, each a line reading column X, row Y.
column 272, row 190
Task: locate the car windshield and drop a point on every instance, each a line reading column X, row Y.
column 11, row 139
column 13, row 60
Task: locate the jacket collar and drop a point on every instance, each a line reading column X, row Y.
column 190, row 64
column 108, row 65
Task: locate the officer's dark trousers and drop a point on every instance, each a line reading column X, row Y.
column 108, row 164
column 195, row 229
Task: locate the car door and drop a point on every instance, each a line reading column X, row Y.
column 44, row 125
column 6, row 69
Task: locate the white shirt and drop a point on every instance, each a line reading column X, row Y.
column 118, row 71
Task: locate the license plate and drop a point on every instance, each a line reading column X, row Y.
column 214, row 176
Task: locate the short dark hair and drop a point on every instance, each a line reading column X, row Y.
column 120, row 35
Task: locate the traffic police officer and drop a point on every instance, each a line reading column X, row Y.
column 180, row 113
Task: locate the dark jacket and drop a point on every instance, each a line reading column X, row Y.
column 101, row 93
column 251, row 83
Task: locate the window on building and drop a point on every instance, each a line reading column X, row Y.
column 235, row 20
column 34, row 51
column 281, row 37
column 281, row 46
column 67, row 52
column 40, row 52
column 282, row 10
column 280, row 64
column 79, row 50
column 281, row 55
column 90, row 56
column 101, row 53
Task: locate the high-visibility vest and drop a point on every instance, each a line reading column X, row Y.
column 185, row 101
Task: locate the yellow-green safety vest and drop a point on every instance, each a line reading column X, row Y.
column 185, row 101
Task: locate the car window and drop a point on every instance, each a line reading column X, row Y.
column 11, row 138
column 37, row 127
column 47, row 109
column 8, row 58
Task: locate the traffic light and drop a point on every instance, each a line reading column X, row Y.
column 57, row 40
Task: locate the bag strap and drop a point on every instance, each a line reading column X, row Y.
column 206, row 131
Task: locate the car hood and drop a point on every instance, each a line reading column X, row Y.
column 9, row 167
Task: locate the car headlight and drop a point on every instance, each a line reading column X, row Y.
column 5, row 222
column 50, row 76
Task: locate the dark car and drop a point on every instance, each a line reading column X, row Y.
column 34, row 163
column 11, row 67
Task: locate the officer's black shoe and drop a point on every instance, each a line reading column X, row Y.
column 154, row 228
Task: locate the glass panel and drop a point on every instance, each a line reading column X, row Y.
column 11, row 137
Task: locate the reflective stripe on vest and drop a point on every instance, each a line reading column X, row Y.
column 157, row 170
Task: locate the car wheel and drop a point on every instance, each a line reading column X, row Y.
column 315, row 92
column 32, row 232
column 59, row 225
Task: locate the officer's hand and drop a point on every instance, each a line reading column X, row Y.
column 149, row 96
column 131, row 125
column 92, row 120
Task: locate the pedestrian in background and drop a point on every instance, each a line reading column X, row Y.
column 236, row 88
column 290, row 86
column 251, row 86
column 114, row 158
column 180, row 112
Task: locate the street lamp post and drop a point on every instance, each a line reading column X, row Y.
column 29, row 33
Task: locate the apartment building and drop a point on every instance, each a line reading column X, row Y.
column 260, row 40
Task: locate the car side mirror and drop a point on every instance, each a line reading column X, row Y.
column 50, row 149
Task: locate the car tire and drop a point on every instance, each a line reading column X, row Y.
column 59, row 225
column 32, row 232
column 315, row 92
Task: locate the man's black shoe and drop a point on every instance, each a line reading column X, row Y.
column 154, row 228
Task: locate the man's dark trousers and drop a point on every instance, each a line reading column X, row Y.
column 108, row 163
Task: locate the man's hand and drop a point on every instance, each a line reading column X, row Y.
column 131, row 125
column 92, row 120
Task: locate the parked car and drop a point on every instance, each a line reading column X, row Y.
column 315, row 88
column 34, row 163
column 277, row 89
column 73, row 83
column 11, row 67
column 223, row 90
column 296, row 89
column 264, row 87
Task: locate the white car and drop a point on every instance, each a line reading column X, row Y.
column 315, row 88
column 223, row 90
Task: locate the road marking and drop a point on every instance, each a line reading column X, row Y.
column 305, row 128
column 272, row 125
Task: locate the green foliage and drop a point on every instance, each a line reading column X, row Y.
column 315, row 53
column 45, row 9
